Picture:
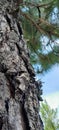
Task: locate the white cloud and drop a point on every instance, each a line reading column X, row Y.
column 52, row 100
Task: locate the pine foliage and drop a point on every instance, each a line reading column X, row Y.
column 40, row 20
column 49, row 117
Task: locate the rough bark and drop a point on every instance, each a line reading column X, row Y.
column 19, row 109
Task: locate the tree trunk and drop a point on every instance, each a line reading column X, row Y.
column 18, row 89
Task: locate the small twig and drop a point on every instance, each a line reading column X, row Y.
column 35, row 4
column 55, row 52
column 39, row 12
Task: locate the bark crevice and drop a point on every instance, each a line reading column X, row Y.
column 25, row 117
column 24, row 57
column 1, row 122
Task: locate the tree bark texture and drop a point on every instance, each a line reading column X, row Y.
column 18, row 89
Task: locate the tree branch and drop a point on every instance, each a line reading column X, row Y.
column 48, row 25
column 52, row 30
column 39, row 28
column 35, row 4
column 32, row 21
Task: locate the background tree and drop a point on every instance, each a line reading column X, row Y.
column 49, row 117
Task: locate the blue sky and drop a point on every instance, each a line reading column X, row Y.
column 51, row 81
column 51, row 86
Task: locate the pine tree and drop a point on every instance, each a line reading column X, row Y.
column 19, row 101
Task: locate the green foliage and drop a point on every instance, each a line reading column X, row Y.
column 48, row 60
column 49, row 117
column 40, row 20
